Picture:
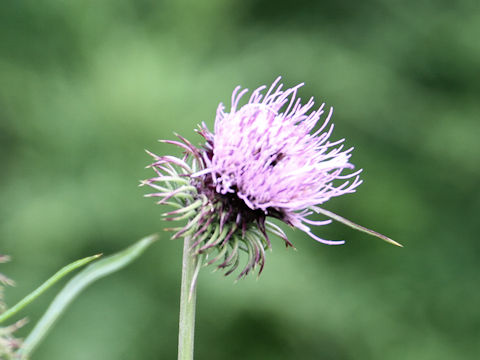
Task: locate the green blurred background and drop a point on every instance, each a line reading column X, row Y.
column 85, row 86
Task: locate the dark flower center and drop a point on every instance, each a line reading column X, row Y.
column 233, row 209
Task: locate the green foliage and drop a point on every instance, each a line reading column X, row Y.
column 8, row 343
column 86, row 86
column 44, row 287
column 74, row 287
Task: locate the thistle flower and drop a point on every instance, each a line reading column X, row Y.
column 265, row 159
column 8, row 343
column 4, row 281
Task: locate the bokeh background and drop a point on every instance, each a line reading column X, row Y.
column 85, row 86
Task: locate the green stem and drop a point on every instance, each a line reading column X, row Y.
column 45, row 286
column 187, row 302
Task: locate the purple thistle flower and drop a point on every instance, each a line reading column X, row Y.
column 8, row 343
column 264, row 159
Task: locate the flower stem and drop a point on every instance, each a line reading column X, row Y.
column 187, row 302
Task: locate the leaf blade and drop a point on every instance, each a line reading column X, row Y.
column 74, row 287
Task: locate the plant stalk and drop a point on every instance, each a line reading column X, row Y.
column 187, row 302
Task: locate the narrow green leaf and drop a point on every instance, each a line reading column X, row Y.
column 351, row 224
column 45, row 286
column 95, row 271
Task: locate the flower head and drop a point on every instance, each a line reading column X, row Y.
column 4, row 281
column 269, row 158
column 8, row 343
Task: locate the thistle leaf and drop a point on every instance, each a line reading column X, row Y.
column 75, row 286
